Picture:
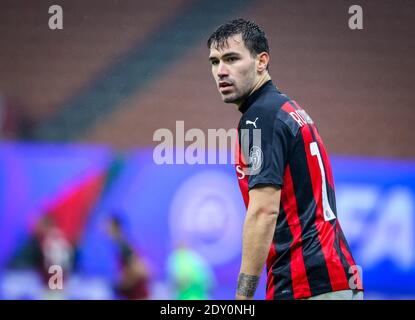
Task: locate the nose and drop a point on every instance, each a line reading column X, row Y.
column 222, row 70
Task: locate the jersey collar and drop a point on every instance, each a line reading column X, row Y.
column 254, row 96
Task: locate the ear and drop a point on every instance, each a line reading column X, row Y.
column 263, row 60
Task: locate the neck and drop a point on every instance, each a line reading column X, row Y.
column 262, row 79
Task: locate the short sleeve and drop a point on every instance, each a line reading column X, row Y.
column 268, row 155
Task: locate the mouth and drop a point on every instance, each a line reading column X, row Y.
column 225, row 86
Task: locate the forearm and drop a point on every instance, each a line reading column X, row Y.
column 258, row 232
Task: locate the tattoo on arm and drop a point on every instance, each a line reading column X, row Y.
column 247, row 285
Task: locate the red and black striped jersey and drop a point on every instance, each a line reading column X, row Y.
column 279, row 145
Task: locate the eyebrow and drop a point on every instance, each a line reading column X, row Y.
column 226, row 55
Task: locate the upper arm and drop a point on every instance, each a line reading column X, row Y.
column 264, row 199
column 267, row 156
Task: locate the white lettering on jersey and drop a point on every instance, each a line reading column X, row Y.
column 240, row 171
column 298, row 118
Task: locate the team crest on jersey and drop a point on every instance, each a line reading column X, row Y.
column 255, row 159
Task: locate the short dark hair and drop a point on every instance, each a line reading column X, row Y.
column 252, row 35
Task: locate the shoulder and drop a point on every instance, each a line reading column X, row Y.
column 293, row 116
column 264, row 111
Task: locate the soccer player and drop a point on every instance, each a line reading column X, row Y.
column 285, row 178
column 134, row 278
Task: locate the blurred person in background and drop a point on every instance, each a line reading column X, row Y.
column 55, row 249
column 46, row 251
column 133, row 280
column 189, row 274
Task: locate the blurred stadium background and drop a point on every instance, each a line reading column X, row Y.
column 79, row 106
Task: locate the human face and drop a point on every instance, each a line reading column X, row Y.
column 234, row 70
